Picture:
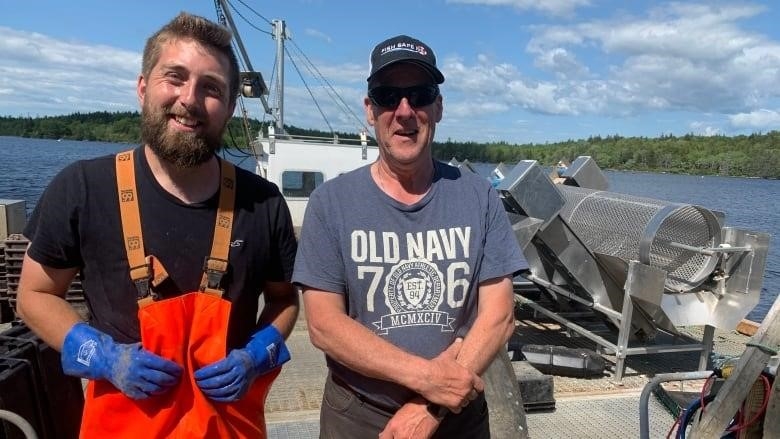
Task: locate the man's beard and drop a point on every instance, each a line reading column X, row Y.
column 181, row 149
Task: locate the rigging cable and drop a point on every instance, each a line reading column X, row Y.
column 253, row 11
column 252, row 25
column 338, row 98
column 244, row 154
column 316, row 104
column 247, row 20
column 313, row 71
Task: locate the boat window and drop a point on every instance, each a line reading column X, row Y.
column 300, row 183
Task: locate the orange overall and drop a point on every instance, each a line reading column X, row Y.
column 190, row 330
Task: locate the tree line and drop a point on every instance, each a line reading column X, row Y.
column 755, row 155
column 125, row 127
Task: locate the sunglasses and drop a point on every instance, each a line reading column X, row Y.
column 389, row 97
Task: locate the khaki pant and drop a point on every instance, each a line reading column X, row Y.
column 344, row 415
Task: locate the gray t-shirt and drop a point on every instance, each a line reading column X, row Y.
column 410, row 273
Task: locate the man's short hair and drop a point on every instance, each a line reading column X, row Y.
column 201, row 30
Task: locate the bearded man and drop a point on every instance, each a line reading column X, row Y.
column 174, row 247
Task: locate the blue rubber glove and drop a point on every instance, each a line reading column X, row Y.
column 228, row 379
column 136, row 372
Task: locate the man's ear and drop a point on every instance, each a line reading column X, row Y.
column 141, row 89
column 369, row 106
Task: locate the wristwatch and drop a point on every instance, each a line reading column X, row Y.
column 437, row 411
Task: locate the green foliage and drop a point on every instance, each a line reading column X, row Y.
column 755, row 155
column 103, row 126
column 126, row 128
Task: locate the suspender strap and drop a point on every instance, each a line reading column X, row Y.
column 215, row 266
column 140, row 271
column 148, row 271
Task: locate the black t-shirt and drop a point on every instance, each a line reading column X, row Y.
column 76, row 223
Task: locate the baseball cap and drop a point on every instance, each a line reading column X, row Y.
column 403, row 48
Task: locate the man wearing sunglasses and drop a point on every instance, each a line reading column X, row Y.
column 406, row 269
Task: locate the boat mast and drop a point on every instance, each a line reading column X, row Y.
column 252, row 83
column 279, row 34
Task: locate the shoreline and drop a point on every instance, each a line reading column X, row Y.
column 436, row 144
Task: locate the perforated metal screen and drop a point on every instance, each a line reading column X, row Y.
column 657, row 233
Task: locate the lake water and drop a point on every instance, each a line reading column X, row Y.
column 27, row 166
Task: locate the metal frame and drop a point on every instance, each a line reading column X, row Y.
column 627, row 290
column 621, row 349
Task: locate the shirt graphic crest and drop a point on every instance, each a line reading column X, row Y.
column 413, row 292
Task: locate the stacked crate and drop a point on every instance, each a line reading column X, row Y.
column 6, row 312
column 13, row 216
column 14, row 248
column 33, row 386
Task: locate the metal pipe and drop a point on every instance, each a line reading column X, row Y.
column 24, row 426
column 709, row 251
column 644, row 398
column 730, row 249
column 665, row 349
column 562, row 291
column 577, row 328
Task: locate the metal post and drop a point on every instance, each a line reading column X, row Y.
column 706, row 341
column 623, row 334
column 271, row 139
column 279, row 35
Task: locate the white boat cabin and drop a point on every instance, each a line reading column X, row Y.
column 298, row 164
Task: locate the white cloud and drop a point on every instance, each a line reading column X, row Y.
column 762, row 119
column 466, row 110
column 711, row 131
column 685, row 58
column 349, row 72
column 562, row 62
column 490, row 86
column 703, row 129
column 697, row 32
column 42, row 75
column 677, row 57
column 318, row 34
column 345, row 114
column 560, row 8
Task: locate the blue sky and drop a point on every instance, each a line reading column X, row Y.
column 522, row 71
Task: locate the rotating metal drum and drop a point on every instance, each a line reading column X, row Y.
column 664, row 235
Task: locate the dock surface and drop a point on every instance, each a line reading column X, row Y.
column 584, row 408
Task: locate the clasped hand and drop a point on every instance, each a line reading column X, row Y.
column 451, row 384
column 228, row 379
column 136, row 372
